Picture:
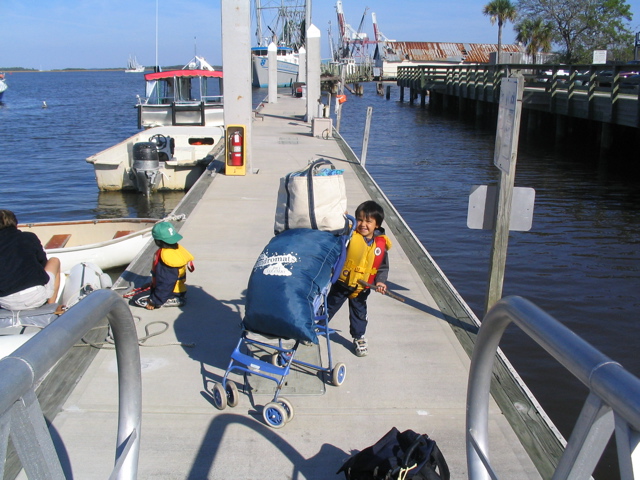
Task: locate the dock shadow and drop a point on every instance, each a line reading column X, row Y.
column 214, row 328
column 457, row 322
column 322, row 465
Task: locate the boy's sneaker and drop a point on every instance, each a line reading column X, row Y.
column 360, row 346
column 175, row 302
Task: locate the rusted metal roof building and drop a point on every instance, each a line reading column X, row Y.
column 388, row 56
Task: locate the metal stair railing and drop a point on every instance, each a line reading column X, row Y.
column 613, row 403
column 21, row 416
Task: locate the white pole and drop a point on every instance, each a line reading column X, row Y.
column 272, row 68
column 313, row 72
column 302, row 64
column 236, row 56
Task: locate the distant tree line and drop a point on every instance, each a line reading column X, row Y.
column 572, row 29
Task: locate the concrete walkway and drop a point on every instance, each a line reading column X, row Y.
column 414, row 377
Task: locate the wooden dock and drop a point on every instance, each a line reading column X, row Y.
column 415, row 376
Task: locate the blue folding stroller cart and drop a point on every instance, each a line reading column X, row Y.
column 286, row 299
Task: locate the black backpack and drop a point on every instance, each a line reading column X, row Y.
column 406, row 455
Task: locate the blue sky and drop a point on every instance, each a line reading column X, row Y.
column 103, row 33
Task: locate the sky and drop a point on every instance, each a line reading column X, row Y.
column 57, row 34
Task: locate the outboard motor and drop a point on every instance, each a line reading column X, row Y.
column 146, row 166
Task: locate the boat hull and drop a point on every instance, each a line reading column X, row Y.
column 287, row 72
column 114, row 171
column 107, row 243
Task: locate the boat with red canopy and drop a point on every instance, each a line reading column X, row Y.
column 183, row 97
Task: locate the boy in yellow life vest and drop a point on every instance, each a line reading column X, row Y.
column 366, row 260
column 169, row 269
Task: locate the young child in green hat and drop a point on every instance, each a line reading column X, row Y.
column 169, row 270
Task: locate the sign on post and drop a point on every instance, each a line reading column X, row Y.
column 505, row 156
column 599, row 57
column 483, row 202
column 506, row 124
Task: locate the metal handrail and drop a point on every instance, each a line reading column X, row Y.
column 612, row 404
column 21, row 417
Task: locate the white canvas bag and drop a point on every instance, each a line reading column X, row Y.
column 312, row 198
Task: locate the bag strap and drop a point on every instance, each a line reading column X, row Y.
column 443, row 468
column 311, row 168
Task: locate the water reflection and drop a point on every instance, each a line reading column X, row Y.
column 132, row 204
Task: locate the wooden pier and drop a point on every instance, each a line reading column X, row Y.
column 600, row 103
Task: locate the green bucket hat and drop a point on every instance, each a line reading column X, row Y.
column 166, row 232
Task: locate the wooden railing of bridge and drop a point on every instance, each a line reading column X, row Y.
column 604, row 93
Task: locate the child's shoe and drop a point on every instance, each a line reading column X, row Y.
column 360, row 346
column 175, row 302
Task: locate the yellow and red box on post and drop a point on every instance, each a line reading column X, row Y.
column 236, row 162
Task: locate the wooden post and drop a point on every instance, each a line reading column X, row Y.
column 505, row 157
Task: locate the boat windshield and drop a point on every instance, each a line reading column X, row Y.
column 184, row 90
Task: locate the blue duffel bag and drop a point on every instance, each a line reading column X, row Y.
column 290, row 274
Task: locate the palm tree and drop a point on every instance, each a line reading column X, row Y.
column 503, row 11
column 536, row 35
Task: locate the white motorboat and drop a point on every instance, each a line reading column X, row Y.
column 133, row 66
column 107, row 243
column 3, row 85
column 160, row 158
column 188, row 96
column 285, row 23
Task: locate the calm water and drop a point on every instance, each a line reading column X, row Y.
column 44, row 174
column 580, row 262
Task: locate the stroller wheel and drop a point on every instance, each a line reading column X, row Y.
column 232, row 393
column 274, row 415
column 287, row 406
column 219, row 397
column 338, row 374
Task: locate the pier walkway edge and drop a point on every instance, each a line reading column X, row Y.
column 414, row 377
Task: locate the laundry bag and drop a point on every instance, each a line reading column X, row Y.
column 288, row 276
column 314, row 197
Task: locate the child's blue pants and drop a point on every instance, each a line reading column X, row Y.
column 357, row 307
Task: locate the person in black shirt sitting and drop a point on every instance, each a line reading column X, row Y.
column 27, row 278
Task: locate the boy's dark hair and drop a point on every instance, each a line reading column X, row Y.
column 161, row 244
column 371, row 209
column 7, row 219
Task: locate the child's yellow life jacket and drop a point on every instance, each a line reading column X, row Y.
column 176, row 258
column 362, row 261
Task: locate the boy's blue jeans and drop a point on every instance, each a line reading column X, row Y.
column 357, row 307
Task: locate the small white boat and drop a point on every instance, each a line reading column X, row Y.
column 3, row 85
column 133, row 66
column 188, row 96
column 107, row 243
column 160, row 158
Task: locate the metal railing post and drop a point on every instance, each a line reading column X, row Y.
column 21, row 371
column 612, row 389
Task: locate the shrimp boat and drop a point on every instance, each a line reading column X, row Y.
column 284, row 23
